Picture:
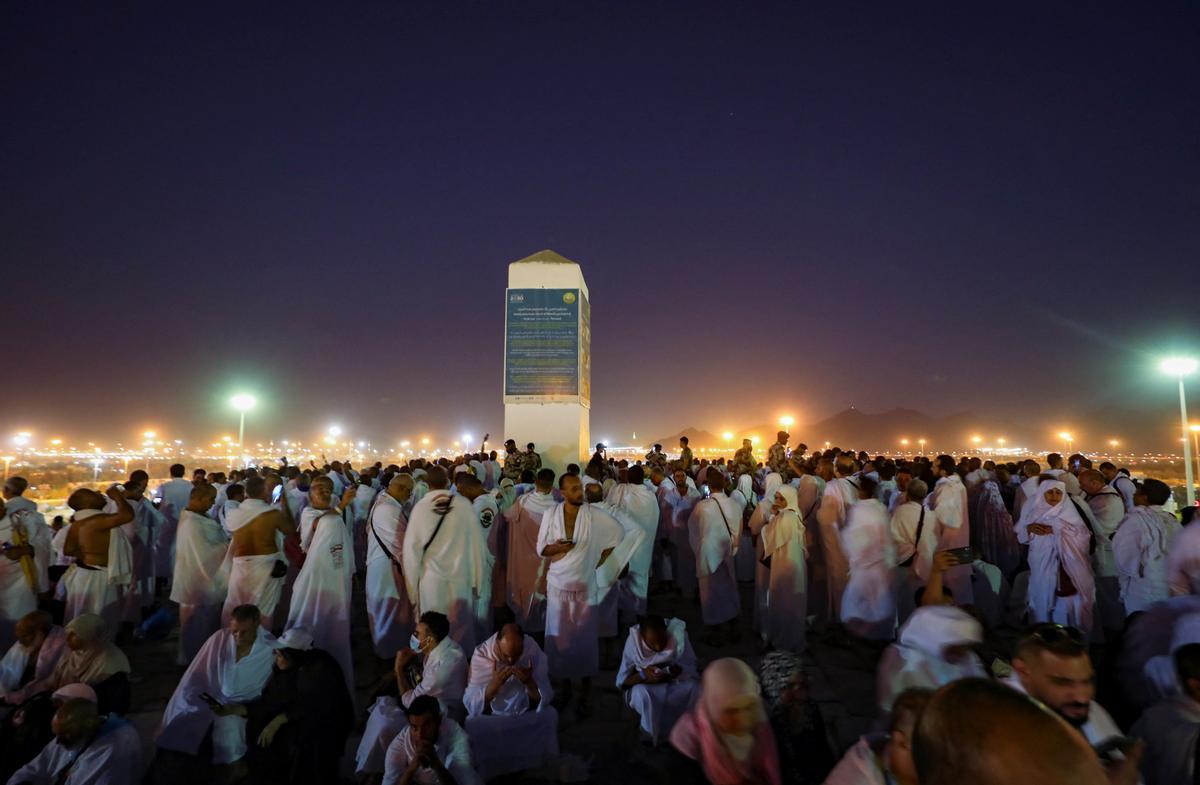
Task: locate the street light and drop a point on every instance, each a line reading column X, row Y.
column 727, row 436
column 243, row 402
column 1196, row 446
column 7, row 460
column 1070, row 440
column 787, row 421
column 922, row 443
column 1180, row 367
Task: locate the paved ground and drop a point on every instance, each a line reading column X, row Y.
column 607, row 743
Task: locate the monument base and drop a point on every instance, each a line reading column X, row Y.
column 559, row 431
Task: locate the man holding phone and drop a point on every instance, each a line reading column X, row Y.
column 231, row 669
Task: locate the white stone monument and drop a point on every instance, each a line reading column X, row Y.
column 547, row 359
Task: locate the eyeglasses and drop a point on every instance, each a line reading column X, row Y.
column 1056, row 634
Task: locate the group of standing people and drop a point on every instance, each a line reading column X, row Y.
column 494, row 590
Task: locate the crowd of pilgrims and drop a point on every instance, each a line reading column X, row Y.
column 494, row 589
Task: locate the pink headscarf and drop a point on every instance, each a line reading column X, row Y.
column 724, row 683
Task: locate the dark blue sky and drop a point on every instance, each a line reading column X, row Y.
column 778, row 208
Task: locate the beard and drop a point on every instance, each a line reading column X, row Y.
column 1076, row 721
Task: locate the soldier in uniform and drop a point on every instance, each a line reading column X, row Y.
column 685, row 455
column 777, row 457
column 533, row 461
column 657, row 459
column 514, row 461
column 743, row 459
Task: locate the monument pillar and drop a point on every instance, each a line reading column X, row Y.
column 547, row 359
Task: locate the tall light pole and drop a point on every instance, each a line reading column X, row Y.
column 1069, row 439
column 1196, row 445
column 7, row 460
column 243, row 402
column 1180, row 367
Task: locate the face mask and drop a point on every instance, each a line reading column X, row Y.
column 414, row 642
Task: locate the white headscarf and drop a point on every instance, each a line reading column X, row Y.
column 931, row 628
column 770, row 485
column 785, row 524
column 1053, row 515
column 745, row 484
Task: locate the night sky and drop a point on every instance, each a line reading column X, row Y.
column 777, row 209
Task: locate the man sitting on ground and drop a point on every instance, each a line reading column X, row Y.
column 230, row 669
column 429, row 749
column 88, row 749
column 510, row 720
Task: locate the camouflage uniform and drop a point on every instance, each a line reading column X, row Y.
column 777, row 461
column 657, row 459
column 743, row 462
column 685, row 459
column 514, row 465
column 533, row 461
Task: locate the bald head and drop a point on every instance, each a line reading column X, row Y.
column 75, row 722
column 594, row 493
column 401, row 487
column 510, row 643
column 985, row 733
column 33, row 627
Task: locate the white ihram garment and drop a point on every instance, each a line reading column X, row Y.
column 450, row 571
column 99, row 590
column 572, row 589
column 321, row 593
column 915, row 659
column 216, row 670
column 640, row 504
column 869, row 604
column 784, row 620
column 660, row 705
column 1066, row 547
column 713, row 533
column 948, row 505
column 509, row 737
column 525, row 568
column 388, row 609
column 250, row 581
column 200, row 581
column 839, row 497
column 1140, row 550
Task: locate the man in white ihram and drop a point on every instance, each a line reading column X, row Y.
column 577, row 539
column 948, row 505
column 321, row 594
column 447, row 566
column 388, row 608
column 231, row 668
column 87, row 749
column 201, row 573
column 510, row 720
column 641, row 506
column 713, row 530
column 525, row 568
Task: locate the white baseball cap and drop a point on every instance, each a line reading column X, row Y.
column 295, row 638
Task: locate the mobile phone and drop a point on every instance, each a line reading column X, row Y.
column 1106, row 748
column 705, row 490
column 276, row 493
column 966, row 555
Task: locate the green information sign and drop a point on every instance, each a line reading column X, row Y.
column 546, row 352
